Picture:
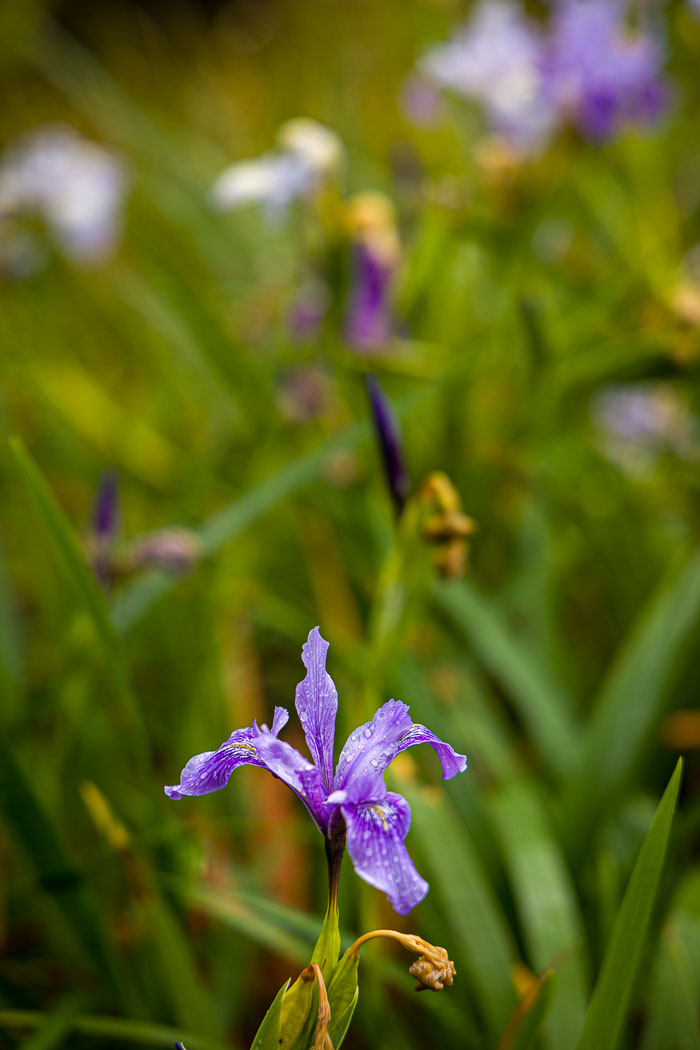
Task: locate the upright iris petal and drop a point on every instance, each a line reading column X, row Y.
column 317, row 706
column 372, row 746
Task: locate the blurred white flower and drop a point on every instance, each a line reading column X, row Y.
column 73, row 186
column 309, row 154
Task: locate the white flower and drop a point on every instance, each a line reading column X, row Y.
column 75, row 187
column 309, row 154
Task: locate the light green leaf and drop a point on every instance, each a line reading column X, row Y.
column 268, row 1034
column 546, row 902
column 543, row 708
column 606, row 1014
column 120, row 1029
column 483, row 946
column 632, row 700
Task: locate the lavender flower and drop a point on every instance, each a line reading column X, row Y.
column 372, row 220
column 74, row 186
column 497, row 61
column 353, row 801
column 637, row 423
column 600, row 74
column 390, row 444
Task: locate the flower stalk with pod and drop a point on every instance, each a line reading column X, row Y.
column 350, row 805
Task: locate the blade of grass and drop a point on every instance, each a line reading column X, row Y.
column 135, row 599
column 117, row 1028
column 55, row 871
column 546, row 902
column 674, row 999
column 544, row 709
column 632, row 701
column 54, row 1030
column 76, row 569
column 606, row 1013
column 487, row 951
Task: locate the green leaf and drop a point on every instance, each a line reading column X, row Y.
column 546, row 902
column 268, row 1034
column 483, row 944
column 327, row 947
column 674, row 997
column 606, row 1014
column 543, row 708
column 54, row 868
column 342, row 995
column 530, row 1014
column 52, row 1033
column 299, row 1013
column 135, row 599
column 120, row 1029
column 632, row 700
column 68, row 549
column 76, row 569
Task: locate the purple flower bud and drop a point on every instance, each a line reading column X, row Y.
column 105, row 516
column 104, row 526
column 390, row 444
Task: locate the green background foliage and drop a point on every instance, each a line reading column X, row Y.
column 128, row 920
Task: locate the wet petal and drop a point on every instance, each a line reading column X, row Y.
column 317, row 705
column 376, row 829
column 212, row 770
column 372, row 746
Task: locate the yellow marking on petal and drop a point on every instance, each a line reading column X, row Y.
column 235, row 747
column 381, row 816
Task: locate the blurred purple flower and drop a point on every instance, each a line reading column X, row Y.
column 421, row 101
column 353, row 801
column 497, row 60
column 104, row 526
column 391, row 446
column 369, row 322
column 599, row 73
column 638, row 422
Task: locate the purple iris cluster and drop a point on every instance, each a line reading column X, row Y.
column 589, row 67
column 351, row 803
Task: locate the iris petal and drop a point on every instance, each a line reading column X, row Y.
column 372, row 746
column 317, row 705
column 376, row 829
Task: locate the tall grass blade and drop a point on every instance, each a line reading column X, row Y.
column 607, row 1011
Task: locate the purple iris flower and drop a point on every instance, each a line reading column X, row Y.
column 598, row 72
column 351, row 802
column 369, row 322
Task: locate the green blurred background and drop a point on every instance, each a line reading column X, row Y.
column 562, row 665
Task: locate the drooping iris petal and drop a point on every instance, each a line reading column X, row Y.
column 255, row 746
column 372, row 746
column 317, row 706
column 376, row 828
column 212, row 770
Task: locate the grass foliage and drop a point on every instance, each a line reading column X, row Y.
column 559, row 664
